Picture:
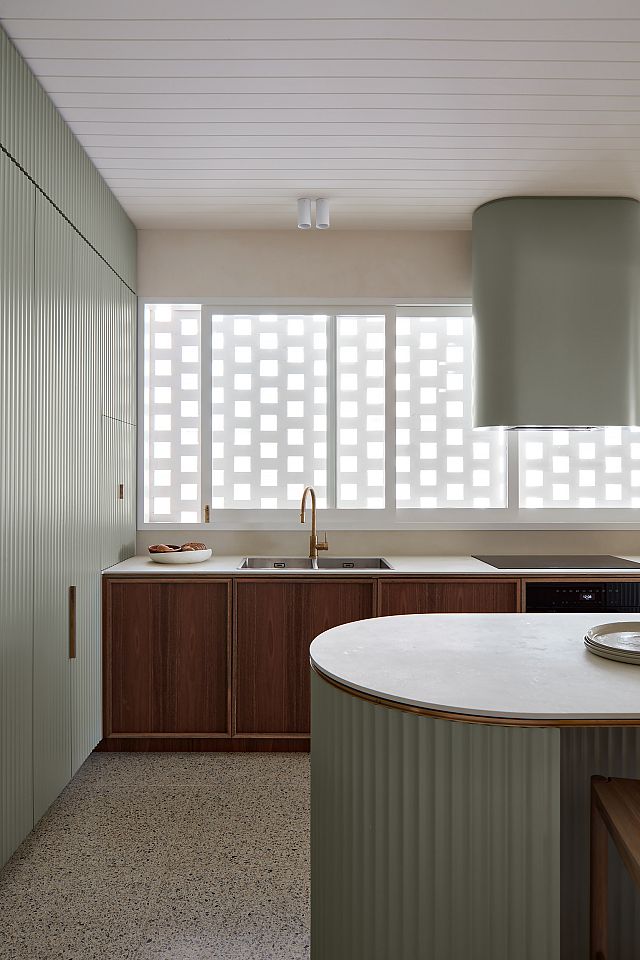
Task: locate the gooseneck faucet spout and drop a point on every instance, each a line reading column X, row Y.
column 314, row 543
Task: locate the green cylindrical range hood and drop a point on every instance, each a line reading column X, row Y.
column 556, row 299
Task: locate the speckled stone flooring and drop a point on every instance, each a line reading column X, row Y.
column 150, row 856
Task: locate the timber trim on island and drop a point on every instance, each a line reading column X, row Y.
column 475, row 717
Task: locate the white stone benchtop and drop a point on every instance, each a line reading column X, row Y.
column 425, row 565
column 505, row 665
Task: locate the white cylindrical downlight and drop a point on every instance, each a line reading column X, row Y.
column 322, row 213
column 304, row 213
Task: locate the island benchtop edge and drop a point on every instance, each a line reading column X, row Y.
column 510, row 668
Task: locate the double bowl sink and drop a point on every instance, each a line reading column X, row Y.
column 308, row 563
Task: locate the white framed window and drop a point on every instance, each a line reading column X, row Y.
column 441, row 461
column 172, row 465
column 244, row 405
column 268, row 424
column 584, row 469
column 360, row 411
column 243, row 409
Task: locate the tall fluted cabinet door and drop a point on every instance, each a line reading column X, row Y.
column 83, row 542
column 17, row 198
column 117, row 491
column 57, row 424
column 85, row 479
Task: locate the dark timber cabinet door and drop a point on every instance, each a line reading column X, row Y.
column 448, row 596
column 167, row 656
column 276, row 622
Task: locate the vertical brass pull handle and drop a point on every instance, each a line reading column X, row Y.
column 206, row 513
column 121, row 491
column 72, row 623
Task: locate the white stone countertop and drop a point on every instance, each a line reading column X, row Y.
column 425, row 566
column 518, row 666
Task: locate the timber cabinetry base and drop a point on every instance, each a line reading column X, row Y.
column 206, row 663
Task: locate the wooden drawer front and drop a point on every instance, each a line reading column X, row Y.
column 448, row 596
column 167, row 653
column 276, row 622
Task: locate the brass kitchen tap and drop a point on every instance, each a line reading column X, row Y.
column 314, row 543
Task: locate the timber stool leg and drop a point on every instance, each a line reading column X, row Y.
column 615, row 810
column 599, row 875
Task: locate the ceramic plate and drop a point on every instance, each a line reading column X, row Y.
column 615, row 641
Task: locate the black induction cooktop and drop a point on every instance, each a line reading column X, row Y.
column 555, row 561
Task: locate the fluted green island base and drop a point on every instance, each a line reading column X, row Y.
column 442, row 840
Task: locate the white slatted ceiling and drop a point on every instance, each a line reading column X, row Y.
column 202, row 114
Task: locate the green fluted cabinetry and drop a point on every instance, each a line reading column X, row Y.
column 17, row 198
column 67, row 441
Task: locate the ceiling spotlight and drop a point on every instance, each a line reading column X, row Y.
column 322, row 213
column 304, row 213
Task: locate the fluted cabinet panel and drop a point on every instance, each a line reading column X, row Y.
column 79, row 515
column 431, row 839
column 587, row 752
column 67, row 355
column 17, row 197
column 57, row 432
column 78, row 331
column 36, row 136
column 86, row 467
column 118, row 497
column 118, row 373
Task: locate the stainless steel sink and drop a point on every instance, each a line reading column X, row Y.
column 353, row 563
column 277, row 563
column 322, row 563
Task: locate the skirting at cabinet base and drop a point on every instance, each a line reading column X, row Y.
column 204, row 745
column 440, row 840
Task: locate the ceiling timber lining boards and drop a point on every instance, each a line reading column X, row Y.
column 217, row 115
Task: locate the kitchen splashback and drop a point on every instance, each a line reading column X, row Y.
column 404, row 542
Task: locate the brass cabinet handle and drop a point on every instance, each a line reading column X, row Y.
column 72, row 623
column 121, row 491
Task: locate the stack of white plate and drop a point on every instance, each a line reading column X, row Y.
column 615, row 641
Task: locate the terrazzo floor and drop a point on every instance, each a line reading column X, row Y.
column 150, row 856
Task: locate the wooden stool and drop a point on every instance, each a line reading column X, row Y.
column 615, row 810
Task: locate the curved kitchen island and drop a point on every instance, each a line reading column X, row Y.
column 451, row 765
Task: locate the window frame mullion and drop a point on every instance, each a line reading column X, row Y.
column 206, row 402
column 513, row 475
column 390, row 315
column 332, row 411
